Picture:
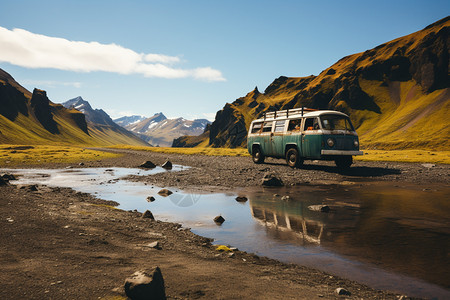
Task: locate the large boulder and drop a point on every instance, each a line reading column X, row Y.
column 167, row 165
column 147, row 165
column 270, row 179
column 146, row 285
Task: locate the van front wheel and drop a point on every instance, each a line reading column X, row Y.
column 257, row 156
column 344, row 162
column 292, row 158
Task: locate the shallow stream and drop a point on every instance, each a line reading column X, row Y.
column 393, row 237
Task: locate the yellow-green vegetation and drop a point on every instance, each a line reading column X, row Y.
column 417, row 156
column 189, row 151
column 104, row 205
column 410, row 119
column 39, row 154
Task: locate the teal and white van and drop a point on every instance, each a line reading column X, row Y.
column 303, row 134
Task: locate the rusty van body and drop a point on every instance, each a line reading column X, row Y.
column 304, row 134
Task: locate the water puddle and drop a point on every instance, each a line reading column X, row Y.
column 389, row 237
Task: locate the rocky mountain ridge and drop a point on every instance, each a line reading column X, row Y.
column 396, row 94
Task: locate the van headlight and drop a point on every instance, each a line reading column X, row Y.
column 356, row 143
column 330, row 142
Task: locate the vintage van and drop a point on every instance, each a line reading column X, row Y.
column 303, row 134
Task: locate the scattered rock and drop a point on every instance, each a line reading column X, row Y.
column 286, row 198
column 321, row 208
column 270, row 179
column 81, row 164
column 342, row 292
column 143, row 285
column 165, row 192
column 31, row 187
column 428, row 166
column 219, row 220
column 167, row 165
column 147, row 165
column 150, row 198
column 148, row 215
column 241, row 199
column 154, row 245
column 8, row 177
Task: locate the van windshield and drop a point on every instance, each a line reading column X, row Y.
column 336, row 122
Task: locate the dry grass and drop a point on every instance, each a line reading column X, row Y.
column 39, row 154
column 417, row 156
column 413, row 156
column 189, row 151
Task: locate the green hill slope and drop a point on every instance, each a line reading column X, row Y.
column 31, row 118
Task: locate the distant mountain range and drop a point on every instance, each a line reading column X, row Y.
column 31, row 118
column 127, row 120
column 397, row 95
column 160, row 131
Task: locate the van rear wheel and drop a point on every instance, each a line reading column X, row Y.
column 344, row 162
column 257, row 156
column 292, row 158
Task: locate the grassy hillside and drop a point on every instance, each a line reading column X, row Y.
column 31, row 118
column 396, row 94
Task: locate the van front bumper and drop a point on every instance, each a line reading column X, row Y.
column 341, row 152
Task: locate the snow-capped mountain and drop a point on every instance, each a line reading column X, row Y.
column 160, row 131
column 125, row 121
column 97, row 116
column 99, row 119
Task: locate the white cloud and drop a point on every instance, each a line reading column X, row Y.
column 52, row 84
column 30, row 50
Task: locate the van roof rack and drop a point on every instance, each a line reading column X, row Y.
column 287, row 112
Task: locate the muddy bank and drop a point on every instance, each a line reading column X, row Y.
column 213, row 173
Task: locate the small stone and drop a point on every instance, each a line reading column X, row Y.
column 148, row 215
column 285, row 198
column 342, row 292
column 154, row 245
column 8, row 177
column 145, row 285
column 165, row 192
column 241, row 199
column 321, row 208
column 428, row 166
column 231, row 254
column 167, row 165
column 147, row 165
column 81, row 164
column 150, row 198
column 219, row 220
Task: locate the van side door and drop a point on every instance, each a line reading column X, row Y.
column 278, row 138
column 311, row 138
column 266, row 138
column 293, row 137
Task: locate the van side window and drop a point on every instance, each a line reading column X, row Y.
column 294, row 125
column 267, row 127
column 257, row 127
column 279, row 126
column 311, row 124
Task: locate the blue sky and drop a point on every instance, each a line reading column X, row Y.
column 188, row 58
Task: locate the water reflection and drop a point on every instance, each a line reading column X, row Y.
column 285, row 225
